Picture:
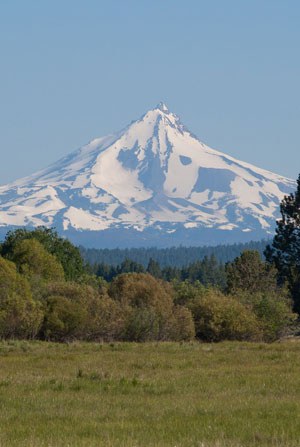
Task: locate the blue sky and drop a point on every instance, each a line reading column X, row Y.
column 74, row 70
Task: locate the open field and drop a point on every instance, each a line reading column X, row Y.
column 166, row 394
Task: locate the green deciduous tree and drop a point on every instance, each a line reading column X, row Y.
column 67, row 254
column 33, row 261
column 20, row 314
column 186, row 292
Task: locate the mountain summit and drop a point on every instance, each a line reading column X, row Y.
column 152, row 183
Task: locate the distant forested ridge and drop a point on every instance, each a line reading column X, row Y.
column 169, row 257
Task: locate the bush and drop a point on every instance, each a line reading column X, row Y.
column 107, row 319
column 66, row 310
column 182, row 327
column 142, row 324
column 273, row 310
column 80, row 311
column 64, row 319
column 142, row 291
column 20, row 315
column 151, row 314
column 218, row 317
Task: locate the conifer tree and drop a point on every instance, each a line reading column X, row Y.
column 248, row 272
column 154, row 268
column 284, row 252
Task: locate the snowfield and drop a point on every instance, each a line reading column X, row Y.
column 153, row 179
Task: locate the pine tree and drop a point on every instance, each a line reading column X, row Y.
column 248, row 272
column 285, row 250
column 129, row 266
column 154, row 268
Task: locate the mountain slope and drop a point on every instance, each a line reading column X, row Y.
column 151, row 183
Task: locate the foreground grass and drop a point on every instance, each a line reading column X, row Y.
column 166, row 394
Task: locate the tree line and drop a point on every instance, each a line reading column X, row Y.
column 208, row 271
column 47, row 291
column 169, row 257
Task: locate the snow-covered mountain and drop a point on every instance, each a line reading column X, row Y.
column 153, row 183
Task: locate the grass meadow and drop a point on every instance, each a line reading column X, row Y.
column 229, row 394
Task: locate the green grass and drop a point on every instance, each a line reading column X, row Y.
column 165, row 394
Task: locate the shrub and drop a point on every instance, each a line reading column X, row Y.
column 273, row 310
column 142, row 324
column 182, row 327
column 64, row 319
column 149, row 305
column 66, row 310
column 80, row 311
column 218, row 317
column 107, row 320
